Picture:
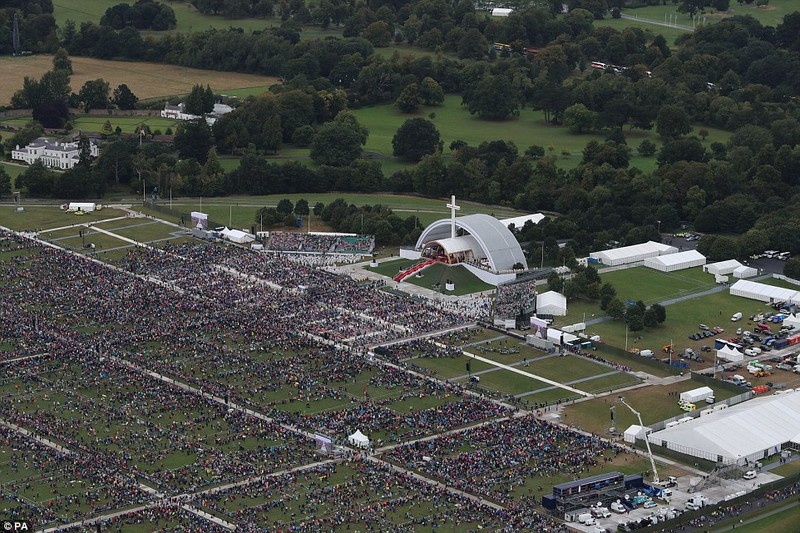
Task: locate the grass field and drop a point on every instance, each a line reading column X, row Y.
column 435, row 276
column 146, row 80
column 94, row 123
column 784, row 519
column 655, row 403
column 454, row 122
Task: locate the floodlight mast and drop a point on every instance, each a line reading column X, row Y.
column 647, row 442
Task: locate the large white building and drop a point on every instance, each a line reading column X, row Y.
column 53, row 154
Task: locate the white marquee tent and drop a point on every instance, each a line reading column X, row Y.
column 632, row 254
column 673, row 262
column 723, row 267
column 763, row 292
column 358, row 439
column 501, row 12
column 551, row 303
column 729, row 353
column 745, row 272
column 237, row 236
column 749, row 431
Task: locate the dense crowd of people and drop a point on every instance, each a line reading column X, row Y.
column 90, row 350
column 514, row 299
column 318, row 243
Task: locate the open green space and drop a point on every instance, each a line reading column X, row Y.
column 94, row 123
column 656, row 403
column 435, row 276
column 652, row 286
column 41, row 217
column 13, row 170
column 683, row 319
column 393, row 267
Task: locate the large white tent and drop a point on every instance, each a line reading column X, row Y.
column 763, row 292
column 237, row 236
column 729, row 353
column 751, row 430
column 743, row 272
column 722, row 267
column 673, row 262
column 551, row 303
column 632, row 254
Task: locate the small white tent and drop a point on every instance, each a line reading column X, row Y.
column 501, row 12
column 551, row 303
column 358, row 439
column 730, row 353
column 722, row 267
column 635, row 432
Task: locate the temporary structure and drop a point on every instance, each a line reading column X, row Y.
column 743, row 272
column 722, row 267
column 763, row 292
column 633, row 254
column 551, row 303
column 237, row 236
column 358, row 439
column 748, row 431
column 199, row 220
column 729, row 353
column 635, row 432
column 673, row 262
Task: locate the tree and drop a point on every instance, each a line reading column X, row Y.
column 430, row 92
column 493, row 97
column 301, row 207
column 5, row 183
column 193, row 140
column 37, row 179
column 616, row 309
column 415, row 139
column 285, row 206
column 578, row 118
column 409, row 99
column 607, row 293
column 335, row 144
column 124, row 98
column 195, row 102
column 378, row 34
column 672, row 122
column 660, row 311
column 61, row 61
column 94, row 94
column 646, row 148
column 650, row 318
column 792, row 268
column 472, row 45
column 555, row 282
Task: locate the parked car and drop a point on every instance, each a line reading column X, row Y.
column 703, row 327
column 750, row 474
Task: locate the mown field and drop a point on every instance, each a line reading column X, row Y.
column 146, row 80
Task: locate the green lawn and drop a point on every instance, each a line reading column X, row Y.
column 651, row 286
column 40, row 217
column 94, row 123
column 435, row 276
column 391, row 268
column 655, row 403
column 13, row 170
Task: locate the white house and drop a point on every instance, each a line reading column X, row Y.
column 53, row 154
column 176, row 112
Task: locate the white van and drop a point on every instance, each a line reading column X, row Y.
column 587, row 519
column 646, row 353
column 750, row 474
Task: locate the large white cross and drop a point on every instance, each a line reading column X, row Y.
column 453, row 208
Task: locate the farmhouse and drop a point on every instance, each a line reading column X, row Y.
column 53, row 154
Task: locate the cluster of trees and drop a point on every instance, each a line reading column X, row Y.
column 143, row 15
column 51, row 96
column 376, row 220
column 37, row 26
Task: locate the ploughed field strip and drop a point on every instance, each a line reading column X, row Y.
column 172, row 387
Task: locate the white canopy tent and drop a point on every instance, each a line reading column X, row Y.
column 763, row 292
column 237, row 236
column 82, row 206
column 729, row 353
column 792, row 320
column 632, row 254
column 673, row 262
column 358, row 439
column 501, row 12
column 551, row 303
column 635, row 432
column 748, row 431
column 743, row 272
column 722, row 267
